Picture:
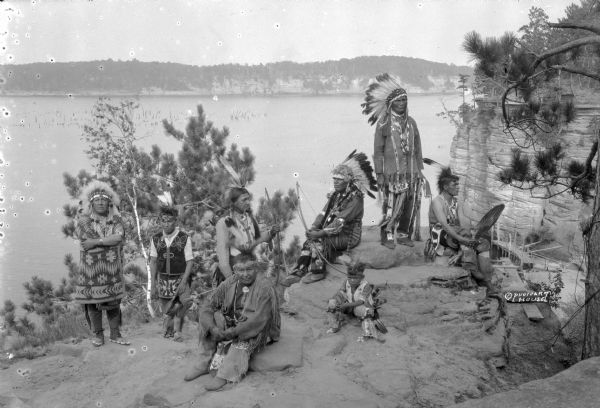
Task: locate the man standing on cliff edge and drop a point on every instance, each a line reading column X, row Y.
column 398, row 159
column 99, row 285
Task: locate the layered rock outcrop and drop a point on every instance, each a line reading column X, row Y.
column 481, row 148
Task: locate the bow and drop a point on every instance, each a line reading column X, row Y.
column 300, row 207
column 277, row 236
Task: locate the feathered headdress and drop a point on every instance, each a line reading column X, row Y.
column 95, row 189
column 379, row 97
column 357, row 170
column 238, row 178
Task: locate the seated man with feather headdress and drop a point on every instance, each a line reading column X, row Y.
column 339, row 226
column 240, row 319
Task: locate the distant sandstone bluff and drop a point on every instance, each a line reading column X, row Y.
column 345, row 76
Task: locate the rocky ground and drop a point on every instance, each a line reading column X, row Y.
column 444, row 346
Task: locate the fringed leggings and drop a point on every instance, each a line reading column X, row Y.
column 405, row 207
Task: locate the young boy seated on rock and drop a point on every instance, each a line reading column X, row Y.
column 171, row 261
column 240, row 319
column 355, row 298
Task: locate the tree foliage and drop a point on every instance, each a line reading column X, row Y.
column 193, row 176
column 136, row 77
column 532, row 71
column 534, row 76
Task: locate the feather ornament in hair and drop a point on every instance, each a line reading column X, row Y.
column 235, row 177
column 432, row 162
column 377, row 96
column 166, row 199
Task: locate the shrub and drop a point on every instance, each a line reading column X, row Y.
column 554, row 286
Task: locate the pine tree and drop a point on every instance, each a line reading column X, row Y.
column 462, row 80
column 112, row 149
column 194, row 178
column 529, row 75
column 198, row 181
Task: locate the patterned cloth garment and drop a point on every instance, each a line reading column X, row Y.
column 170, row 262
column 100, row 276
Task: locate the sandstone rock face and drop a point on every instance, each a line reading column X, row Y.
column 481, row 148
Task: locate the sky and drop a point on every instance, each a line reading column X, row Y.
column 210, row 32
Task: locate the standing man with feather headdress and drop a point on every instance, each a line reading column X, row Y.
column 100, row 285
column 339, row 226
column 398, row 159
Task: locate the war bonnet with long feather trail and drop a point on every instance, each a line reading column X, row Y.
column 357, row 170
column 379, row 97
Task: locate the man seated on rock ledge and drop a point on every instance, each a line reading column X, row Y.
column 451, row 235
column 241, row 318
column 339, row 226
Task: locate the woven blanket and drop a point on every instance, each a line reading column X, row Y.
column 100, row 275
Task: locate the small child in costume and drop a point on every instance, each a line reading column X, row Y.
column 354, row 298
column 171, row 261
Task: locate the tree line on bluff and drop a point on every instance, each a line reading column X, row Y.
column 135, row 76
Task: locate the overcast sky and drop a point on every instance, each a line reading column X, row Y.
column 208, row 32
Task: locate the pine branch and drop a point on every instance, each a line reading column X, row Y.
column 581, row 26
column 577, row 71
column 593, row 39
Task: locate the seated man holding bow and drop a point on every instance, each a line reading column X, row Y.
column 339, row 226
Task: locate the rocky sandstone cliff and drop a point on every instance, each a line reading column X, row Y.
column 481, row 148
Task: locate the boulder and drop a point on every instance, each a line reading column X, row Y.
column 284, row 354
column 376, row 256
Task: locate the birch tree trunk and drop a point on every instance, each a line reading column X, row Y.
column 133, row 200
